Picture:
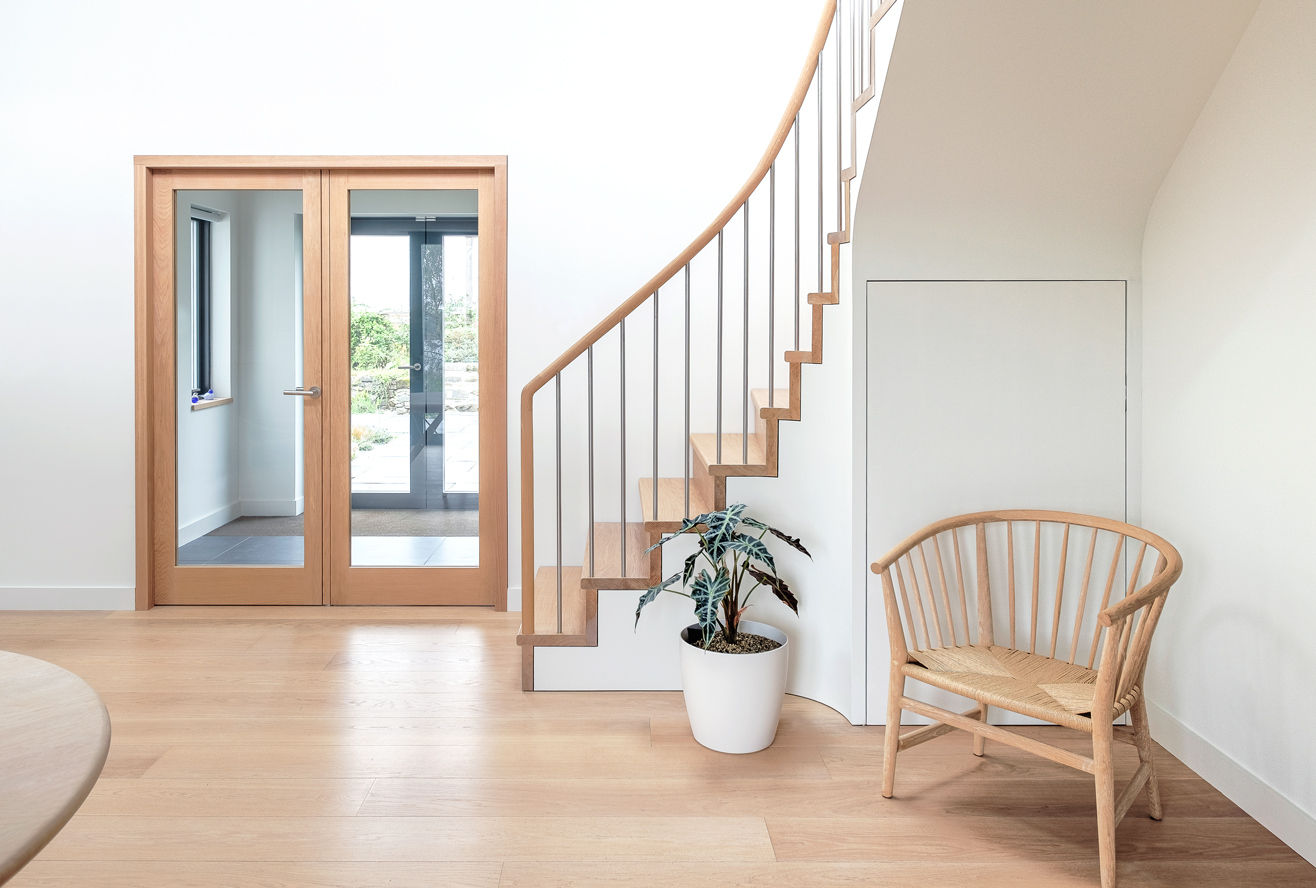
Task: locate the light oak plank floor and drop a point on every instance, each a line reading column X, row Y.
column 356, row 747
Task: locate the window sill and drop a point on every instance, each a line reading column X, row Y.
column 214, row 402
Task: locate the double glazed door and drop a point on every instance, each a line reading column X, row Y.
column 326, row 382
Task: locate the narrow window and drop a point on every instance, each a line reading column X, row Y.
column 202, row 307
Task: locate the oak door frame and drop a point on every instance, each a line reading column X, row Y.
column 148, row 266
column 172, row 583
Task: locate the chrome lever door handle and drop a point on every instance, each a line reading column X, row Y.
column 415, row 367
column 312, row 392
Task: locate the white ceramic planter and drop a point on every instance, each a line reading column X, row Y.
column 734, row 700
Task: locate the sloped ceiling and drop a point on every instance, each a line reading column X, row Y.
column 1028, row 137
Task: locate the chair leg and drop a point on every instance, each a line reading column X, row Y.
column 979, row 741
column 1142, row 739
column 895, row 690
column 1103, row 757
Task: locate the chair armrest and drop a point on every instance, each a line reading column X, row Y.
column 1144, row 597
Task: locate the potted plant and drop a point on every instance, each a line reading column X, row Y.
column 733, row 671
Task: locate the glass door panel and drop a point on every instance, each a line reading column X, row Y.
column 413, row 363
column 240, row 441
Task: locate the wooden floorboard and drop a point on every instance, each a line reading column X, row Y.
column 337, row 747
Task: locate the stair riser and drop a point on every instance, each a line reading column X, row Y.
column 753, row 470
column 703, row 480
column 641, row 569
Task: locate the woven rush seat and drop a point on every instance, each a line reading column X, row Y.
column 1027, row 683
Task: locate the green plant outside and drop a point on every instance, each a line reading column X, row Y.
column 364, row 402
column 375, row 342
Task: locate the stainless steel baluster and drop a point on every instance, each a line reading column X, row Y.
column 772, row 277
column 796, row 292
column 622, row 331
column 655, row 401
column 838, row 124
column 589, row 411
column 719, row 347
column 819, row 85
column 857, row 69
column 744, row 349
column 865, row 35
column 557, row 396
column 865, row 39
column 685, row 442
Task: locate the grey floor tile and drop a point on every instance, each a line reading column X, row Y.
column 204, row 549
column 264, row 550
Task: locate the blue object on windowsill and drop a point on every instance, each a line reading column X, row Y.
column 209, row 395
column 195, row 399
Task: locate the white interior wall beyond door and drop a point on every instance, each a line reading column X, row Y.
column 988, row 395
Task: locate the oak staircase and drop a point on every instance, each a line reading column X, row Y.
column 560, row 598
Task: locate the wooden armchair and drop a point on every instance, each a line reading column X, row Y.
column 1056, row 646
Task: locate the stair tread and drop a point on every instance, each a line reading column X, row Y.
column 671, row 503
column 733, row 454
column 780, row 401
column 607, row 560
column 574, row 605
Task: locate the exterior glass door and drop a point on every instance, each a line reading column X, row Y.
column 414, row 326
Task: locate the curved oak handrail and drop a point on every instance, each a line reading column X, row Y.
column 706, row 237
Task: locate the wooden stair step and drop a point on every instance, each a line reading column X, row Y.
column 576, row 616
column 671, row 503
column 823, row 299
column 734, row 458
column 781, row 407
column 781, row 400
column 608, row 573
column 815, row 353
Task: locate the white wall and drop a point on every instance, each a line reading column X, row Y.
column 207, row 468
column 626, row 128
column 267, row 357
column 1229, row 266
column 1039, row 168
column 991, row 395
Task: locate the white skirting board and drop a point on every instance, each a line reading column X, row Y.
column 194, row 530
column 274, row 508
column 65, row 598
column 1265, row 804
